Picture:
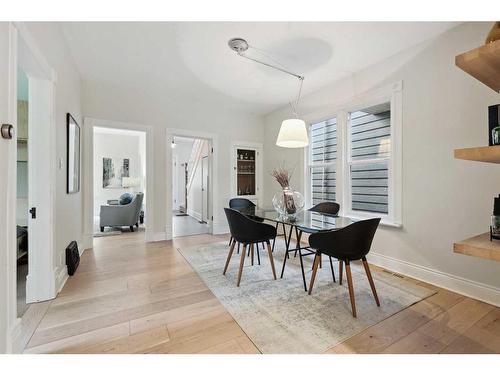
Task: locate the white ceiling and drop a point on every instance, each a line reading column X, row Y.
column 192, row 58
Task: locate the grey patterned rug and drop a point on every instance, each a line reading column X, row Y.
column 280, row 317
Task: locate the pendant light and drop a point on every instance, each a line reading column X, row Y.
column 293, row 131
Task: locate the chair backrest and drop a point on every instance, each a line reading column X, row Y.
column 136, row 205
column 240, row 203
column 330, row 208
column 246, row 230
column 350, row 243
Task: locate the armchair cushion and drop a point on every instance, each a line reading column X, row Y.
column 126, row 198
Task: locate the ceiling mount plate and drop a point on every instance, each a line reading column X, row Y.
column 238, row 44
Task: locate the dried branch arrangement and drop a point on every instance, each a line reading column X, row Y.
column 282, row 175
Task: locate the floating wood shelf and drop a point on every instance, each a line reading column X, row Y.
column 488, row 154
column 479, row 246
column 482, row 63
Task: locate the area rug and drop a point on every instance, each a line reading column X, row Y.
column 280, row 317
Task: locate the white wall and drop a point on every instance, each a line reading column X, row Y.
column 68, row 214
column 123, row 146
column 444, row 200
column 167, row 108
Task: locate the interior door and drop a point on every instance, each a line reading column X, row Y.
column 7, row 187
column 39, row 285
column 204, row 188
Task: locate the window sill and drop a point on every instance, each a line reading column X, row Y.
column 386, row 222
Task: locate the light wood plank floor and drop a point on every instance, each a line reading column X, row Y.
column 129, row 296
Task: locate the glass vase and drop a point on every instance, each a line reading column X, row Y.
column 288, row 203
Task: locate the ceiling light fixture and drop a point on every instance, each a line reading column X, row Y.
column 293, row 132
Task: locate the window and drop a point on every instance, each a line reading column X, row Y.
column 369, row 153
column 323, row 157
column 354, row 157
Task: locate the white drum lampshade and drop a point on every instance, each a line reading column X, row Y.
column 128, row 182
column 293, row 134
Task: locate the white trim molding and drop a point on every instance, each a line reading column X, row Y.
column 157, row 236
column 469, row 288
column 220, row 227
column 392, row 94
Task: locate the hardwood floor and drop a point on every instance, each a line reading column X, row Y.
column 129, row 296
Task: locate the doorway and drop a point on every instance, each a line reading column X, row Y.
column 191, row 200
column 119, row 181
column 35, row 278
column 22, row 191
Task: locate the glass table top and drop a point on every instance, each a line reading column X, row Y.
column 306, row 219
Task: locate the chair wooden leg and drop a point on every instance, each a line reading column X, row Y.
column 242, row 262
column 230, row 241
column 351, row 289
column 331, row 267
column 238, row 247
column 258, row 253
column 341, row 271
column 315, row 269
column 370, row 280
column 229, row 255
column 271, row 258
column 251, row 251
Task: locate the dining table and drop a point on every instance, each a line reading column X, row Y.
column 305, row 221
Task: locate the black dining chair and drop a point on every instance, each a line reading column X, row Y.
column 248, row 232
column 347, row 244
column 328, row 208
column 240, row 203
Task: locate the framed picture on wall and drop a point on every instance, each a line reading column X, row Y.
column 73, row 155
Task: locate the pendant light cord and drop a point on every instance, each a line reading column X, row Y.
column 296, row 111
column 279, row 67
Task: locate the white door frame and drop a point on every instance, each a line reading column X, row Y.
column 205, row 203
column 41, row 281
column 88, row 174
column 213, row 138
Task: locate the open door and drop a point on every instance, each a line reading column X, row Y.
column 8, row 186
column 40, row 283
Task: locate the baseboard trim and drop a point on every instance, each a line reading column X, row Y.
column 168, row 232
column 61, row 277
column 220, row 228
column 469, row 288
column 156, row 236
column 87, row 242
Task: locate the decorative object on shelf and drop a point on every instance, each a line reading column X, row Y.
column 287, row 202
column 293, row 131
column 72, row 155
column 495, row 220
column 494, row 33
column 494, row 124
